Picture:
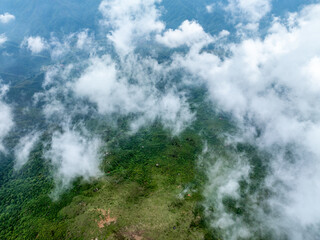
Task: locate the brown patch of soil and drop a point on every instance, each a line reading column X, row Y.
column 105, row 219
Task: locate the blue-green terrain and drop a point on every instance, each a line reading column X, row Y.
column 150, row 119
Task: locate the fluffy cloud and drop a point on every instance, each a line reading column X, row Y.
column 189, row 34
column 224, row 33
column 73, row 154
column 35, row 44
column 99, row 83
column 130, row 22
column 6, row 18
column 110, row 89
column 6, row 117
column 271, row 87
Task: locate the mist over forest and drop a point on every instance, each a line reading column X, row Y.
column 160, row 119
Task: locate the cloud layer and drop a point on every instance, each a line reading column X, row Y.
column 270, row 86
column 6, row 116
column 121, row 83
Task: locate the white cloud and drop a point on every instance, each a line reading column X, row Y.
column 35, row 44
column 6, row 117
column 3, row 39
column 6, row 18
column 130, row 22
column 111, row 90
column 73, row 155
column 273, row 84
column 23, row 149
column 100, row 84
column 188, row 33
column 224, row 33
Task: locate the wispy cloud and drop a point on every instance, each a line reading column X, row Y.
column 210, row 8
column 6, row 116
column 23, row 149
column 3, row 39
column 251, row 10
column 248, row 14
